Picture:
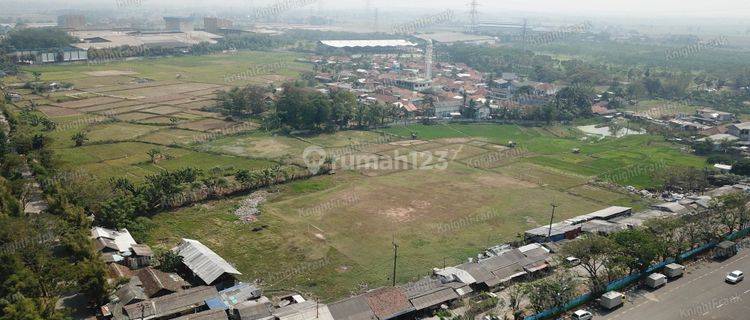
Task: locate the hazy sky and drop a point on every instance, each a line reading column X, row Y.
column 640, row 8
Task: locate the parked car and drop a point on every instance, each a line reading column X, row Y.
column 582, row 315
column 572, row 261
column 735, row 277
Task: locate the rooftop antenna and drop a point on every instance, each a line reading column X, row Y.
column 474, row 12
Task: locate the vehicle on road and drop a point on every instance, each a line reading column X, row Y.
column 611, row 300
column 656, row 280
column 725, row 250
column 582, row 315
column 735, row 277
column 674, row 270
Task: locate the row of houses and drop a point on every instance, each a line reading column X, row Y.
column 614, row 219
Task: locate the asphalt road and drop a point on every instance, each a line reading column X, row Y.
column 700, row 294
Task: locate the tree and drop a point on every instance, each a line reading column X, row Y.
column 552, row 292
column 80, row 138
column 669, row 231
column 37, row 76
column 638, row 249
column 596, row 255
column 516, row 295
column 154, row 154
column 742, row 167
column 168, row 261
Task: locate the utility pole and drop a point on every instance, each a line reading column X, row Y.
column 525, row 32
column 395, row 257
column 551, row 218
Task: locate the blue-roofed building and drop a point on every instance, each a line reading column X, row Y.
column 230, row 297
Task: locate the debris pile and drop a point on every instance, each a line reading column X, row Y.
column 249, row 209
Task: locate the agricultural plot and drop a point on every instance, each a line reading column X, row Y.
column 128, row 108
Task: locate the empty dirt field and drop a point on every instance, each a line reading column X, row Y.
column 437, row 212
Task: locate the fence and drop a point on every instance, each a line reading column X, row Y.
column 623, row 282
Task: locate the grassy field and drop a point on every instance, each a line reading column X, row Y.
column 349, row 220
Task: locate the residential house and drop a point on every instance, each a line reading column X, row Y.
column 205, row 264
column 157, row 283
column 713, row 115
column 229, row 298
column 303, row 311
column 354, row 308
column 740, row 130
column 254, row 310
column 389, row 303
column 177, row 304
column 139, row 257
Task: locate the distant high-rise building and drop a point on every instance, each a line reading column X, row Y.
column 178, row 24
column 213, row 25
column 71, row 21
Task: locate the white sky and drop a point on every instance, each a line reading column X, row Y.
column 639, row 8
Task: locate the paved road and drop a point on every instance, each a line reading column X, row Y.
column 700, row 294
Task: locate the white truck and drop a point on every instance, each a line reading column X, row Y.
column 656, row 280
column 674, row 270
column 611, row 300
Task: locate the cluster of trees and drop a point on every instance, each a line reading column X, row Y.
column 537, row 67
column 36, row 38
column 606, row 258
column 629, row 252
column 44, row 256
column 243, row 102
column 302, row 108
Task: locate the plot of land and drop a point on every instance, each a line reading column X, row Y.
column 352, row 217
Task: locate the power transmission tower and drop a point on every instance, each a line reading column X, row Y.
column 474, row 12
column 525, row 33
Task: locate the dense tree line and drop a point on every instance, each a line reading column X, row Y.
column 37, row 38
column 606, row 258
column 48, row 255
column 302, row 108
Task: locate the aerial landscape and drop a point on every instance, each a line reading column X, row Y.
column 373, row 159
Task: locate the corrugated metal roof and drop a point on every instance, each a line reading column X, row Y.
column 206, row 315
column 355, row 308
column 433, row 298
column 306, row 310
column 205, row 263
column 122, row 239
column 367, row 43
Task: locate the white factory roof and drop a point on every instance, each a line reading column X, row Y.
column 367, row 43
column 100, row 39
column 205, row 263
